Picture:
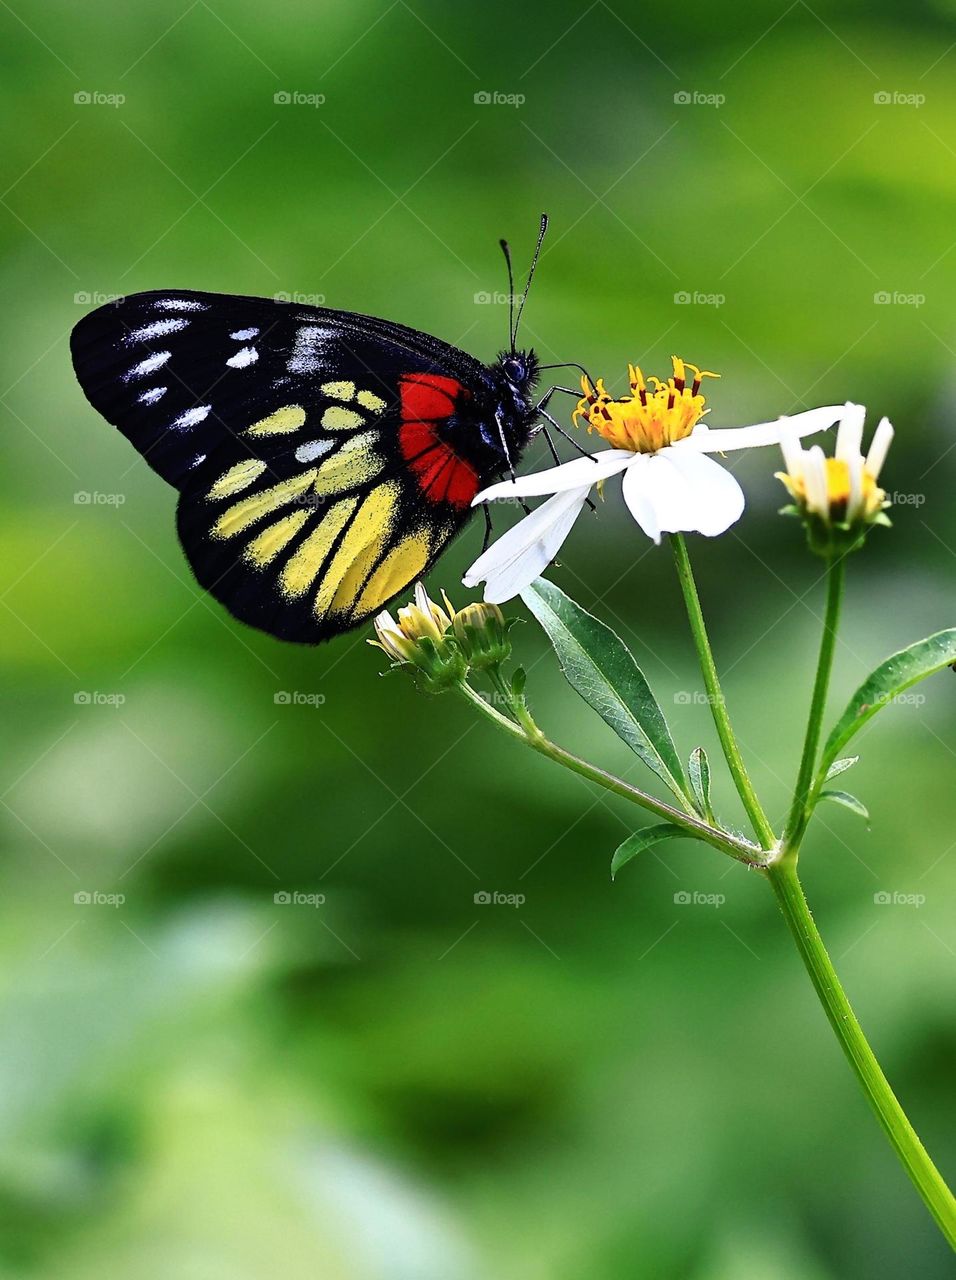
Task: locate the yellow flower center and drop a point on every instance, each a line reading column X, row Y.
column 650, row 418
column 839, row 490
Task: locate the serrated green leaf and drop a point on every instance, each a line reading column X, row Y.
column 698, row 772
column 848, row 802
column 644, row 839
column 891, row 678
column 600, row 667
column 840, row 766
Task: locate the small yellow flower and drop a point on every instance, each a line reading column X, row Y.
column 839, row 493
column 648, row 419
column 422, row 620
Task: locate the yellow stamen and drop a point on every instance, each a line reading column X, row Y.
column 647, row 419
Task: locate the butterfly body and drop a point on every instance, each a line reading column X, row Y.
column 323, row 459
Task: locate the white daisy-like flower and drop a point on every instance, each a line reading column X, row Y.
column 670, row 483
column 842, row 489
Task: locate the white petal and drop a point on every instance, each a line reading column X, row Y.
column 792, row 449
column 713, row 500
column 525, row 551
column 577, row 474
column 849, row 441
column 638, row 488
column 705, row 439
column 882, row 438
column 815, row 480
column 855, row 500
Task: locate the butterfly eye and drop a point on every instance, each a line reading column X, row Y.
column 514, row 368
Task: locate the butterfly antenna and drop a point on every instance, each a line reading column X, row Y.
column 506, row 250
column 534, row 263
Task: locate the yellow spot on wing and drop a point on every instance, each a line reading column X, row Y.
column 303, row 566
column 249, row 510
column 267, row 545
column 338, row 390
column 336, row 418
column 289, row 418
column 401, row 566
column 369, row 400
column 237, row 478
column 357, row 551
column 355, row 463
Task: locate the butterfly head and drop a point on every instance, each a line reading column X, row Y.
column 518, row 372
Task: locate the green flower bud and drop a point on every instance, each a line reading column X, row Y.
column 482, row 635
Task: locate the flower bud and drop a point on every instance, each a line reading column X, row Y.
column 420, row 639
column 837, row 498
column 482, row 635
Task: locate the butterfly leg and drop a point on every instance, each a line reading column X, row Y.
column 540, row 407
column 486, row 541
column 554, row 453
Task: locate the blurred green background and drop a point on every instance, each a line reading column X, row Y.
column 399, row 1083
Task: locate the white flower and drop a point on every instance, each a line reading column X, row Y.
column 842, row 489
column 670, row 484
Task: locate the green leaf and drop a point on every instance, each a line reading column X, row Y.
column 644, row 839
column 698, row 771
column 888, row 681
column 848, row 802
column 840, row 766
column 600, row 667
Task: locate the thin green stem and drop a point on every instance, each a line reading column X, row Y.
column 912, row 1154
column 715, row 696
column 529, row 733
column 799, row 809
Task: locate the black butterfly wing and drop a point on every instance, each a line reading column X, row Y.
column 315, row 483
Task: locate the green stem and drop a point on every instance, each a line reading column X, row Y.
column 912, row 1154
column 799, row 810
column 529, row 733
column 715, row 696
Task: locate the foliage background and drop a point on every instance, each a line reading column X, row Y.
column 403, row 1083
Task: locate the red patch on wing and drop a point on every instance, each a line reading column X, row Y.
column 426, row 400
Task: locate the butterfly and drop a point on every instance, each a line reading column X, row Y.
column 324, row 459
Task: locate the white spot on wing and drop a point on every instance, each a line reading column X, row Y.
column 311, row 342
column 156, row 330
column 192, row 416
column 152, row 395
column 149, row 365
column 245, row 356
column 180, row 304
column 313, row 449
column 243, row 335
